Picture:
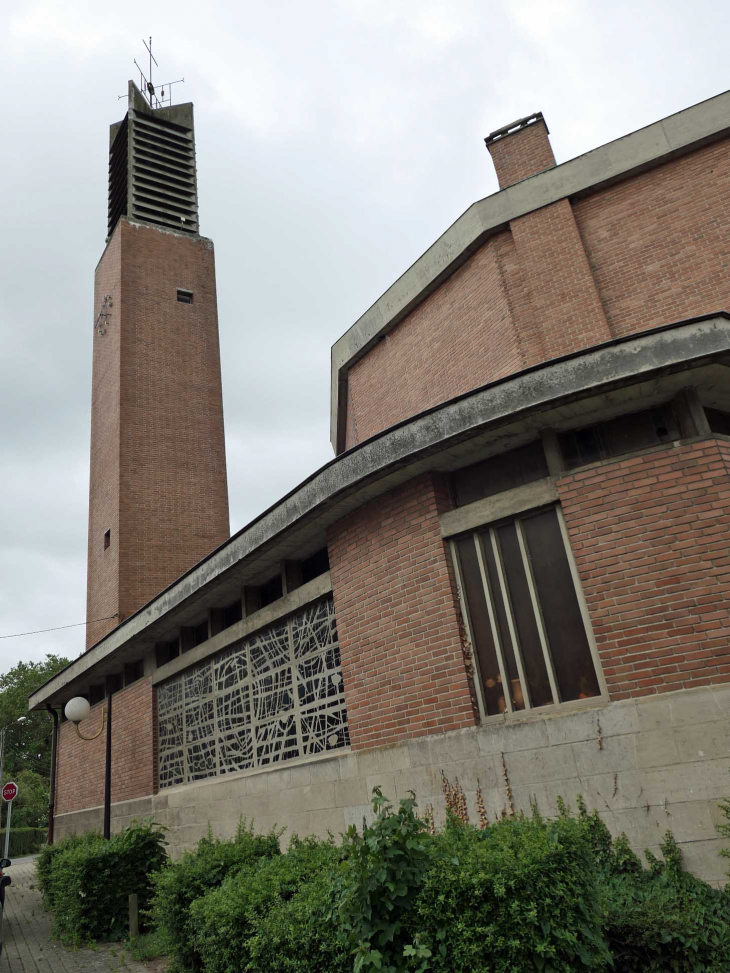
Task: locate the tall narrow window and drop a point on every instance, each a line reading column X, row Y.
column 523, row 613
column 107, row 538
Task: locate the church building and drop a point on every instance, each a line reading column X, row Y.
column 514, row 572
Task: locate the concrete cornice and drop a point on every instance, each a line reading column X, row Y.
column 640, row 150
column 403, row 451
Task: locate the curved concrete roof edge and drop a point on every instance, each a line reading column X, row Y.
column 642, row 149
column 580, row 373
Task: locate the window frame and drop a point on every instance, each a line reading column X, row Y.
column 490, row 525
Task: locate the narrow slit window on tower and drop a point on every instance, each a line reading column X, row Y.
column 184, row 297
column 107, row 538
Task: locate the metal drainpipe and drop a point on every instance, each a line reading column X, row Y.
column 52, row 798
column 108, row 769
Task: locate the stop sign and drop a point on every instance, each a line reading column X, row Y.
column 10, row 790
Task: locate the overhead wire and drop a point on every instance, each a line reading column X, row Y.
column 41, row 631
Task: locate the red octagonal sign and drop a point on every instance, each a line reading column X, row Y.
column 9, row 791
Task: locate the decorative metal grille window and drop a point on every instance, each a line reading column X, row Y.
column 527, row 626
column 276, row 696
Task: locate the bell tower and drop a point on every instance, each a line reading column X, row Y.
column 158, row 496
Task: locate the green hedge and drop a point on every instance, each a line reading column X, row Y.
column 87, row 881
column 272, row 916
column 524, row 894
column 195, row 874
column 23, row 841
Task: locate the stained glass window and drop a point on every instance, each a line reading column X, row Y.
column 276, row 696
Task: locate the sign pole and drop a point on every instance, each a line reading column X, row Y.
column 7, row 828
column 9, row 792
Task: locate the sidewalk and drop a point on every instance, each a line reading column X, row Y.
column 28, row 947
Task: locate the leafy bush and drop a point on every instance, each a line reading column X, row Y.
column 523, row 894
column 47, row 857
column 195, row 874
column 272, row 916
column 665, row 919
column 23, row 841
column 383, row 874
column 520, row 895
column 89, row 880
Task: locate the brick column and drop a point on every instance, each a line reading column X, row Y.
column 398, row 624
column 563, row 298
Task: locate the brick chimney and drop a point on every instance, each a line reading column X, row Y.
column 520, row 149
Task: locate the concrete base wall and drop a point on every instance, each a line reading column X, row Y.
column 648, row 765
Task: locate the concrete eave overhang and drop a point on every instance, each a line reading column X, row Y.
column 402, row 452
column 644, row 149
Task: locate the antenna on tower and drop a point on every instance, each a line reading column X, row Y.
column 158, row 96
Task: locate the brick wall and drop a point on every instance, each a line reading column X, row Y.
column 460, row 337
column 651, row 537
column 80, row 763
column 102, row 585
column 402, row 657
column 659, row 244
column 158, row 472
column 646, row 252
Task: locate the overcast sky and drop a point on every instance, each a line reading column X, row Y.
column 336, row 139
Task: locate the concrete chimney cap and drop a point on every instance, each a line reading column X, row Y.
column 515, row 127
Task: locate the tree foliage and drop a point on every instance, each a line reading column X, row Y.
column 27, row 743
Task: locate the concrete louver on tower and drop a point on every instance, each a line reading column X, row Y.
column 152, row 166
column 158, row 499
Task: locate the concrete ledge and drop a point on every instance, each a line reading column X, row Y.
column 474, row 515
column 640, row 150
column 403, row 451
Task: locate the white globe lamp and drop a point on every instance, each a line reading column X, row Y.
column 77, row 709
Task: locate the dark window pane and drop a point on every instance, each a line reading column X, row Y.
column 271, row 591
column 500, row 473
column 561, row 614
column 232, row 613
column 96, row 693
column 114, row 683
column 719, row 421
column 200, row 632
column 480, row 626
column 523, row 613
column 132, row 672
column 518, row 701
column 624, row 434
column 315, row 565
column 167, row 651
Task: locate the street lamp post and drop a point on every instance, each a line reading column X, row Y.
column 77, row 709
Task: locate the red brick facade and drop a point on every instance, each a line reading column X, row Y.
column 649, row 251
column 158, row 471
column 651, row 537
column 397, row 622
column 80, row 767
